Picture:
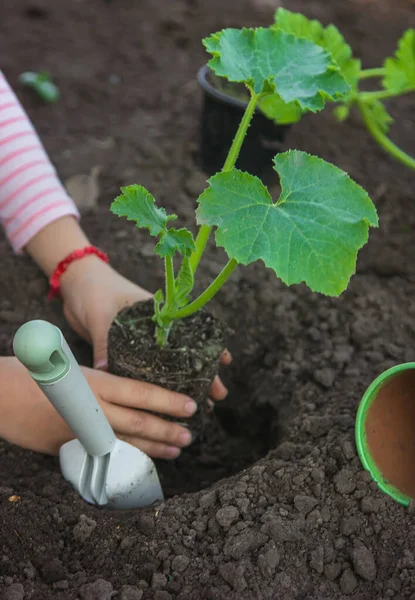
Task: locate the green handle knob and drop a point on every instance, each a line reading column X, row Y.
column 38, row 345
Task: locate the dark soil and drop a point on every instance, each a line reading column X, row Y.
column 188, row 364
column 304, row 521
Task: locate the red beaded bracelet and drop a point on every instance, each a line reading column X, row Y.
column 55, row 278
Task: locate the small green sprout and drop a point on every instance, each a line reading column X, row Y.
column 41, row 83
column 310, row 234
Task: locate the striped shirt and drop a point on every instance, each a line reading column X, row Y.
column 31, row 195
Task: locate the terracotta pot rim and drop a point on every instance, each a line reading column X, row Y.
column 360, row 433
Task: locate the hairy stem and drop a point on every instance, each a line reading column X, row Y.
column 241, row 133
column 168, row 263
column 383, row 140
column 204, row 231
column 368, row 73
column 380, row 95
column 208, row 294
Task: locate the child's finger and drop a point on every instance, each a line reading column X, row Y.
column 218, row 391
column 139, row 424
column 153, row 449
column 226, row 358
column 140, row 395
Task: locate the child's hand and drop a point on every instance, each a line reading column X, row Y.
column 93, row 293
column 28, row 419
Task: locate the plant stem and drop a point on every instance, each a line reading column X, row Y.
column 168, row 262
column 208, row 294
column 241, row 133
column 204, row 231
column 383, row 140
column 162, row 334
column 380, row 95
column 367, row 73
column 162, row 318
column 200, row 243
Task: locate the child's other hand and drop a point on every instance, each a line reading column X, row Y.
column 28, row 419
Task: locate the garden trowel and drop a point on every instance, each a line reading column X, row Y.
column 103, row 469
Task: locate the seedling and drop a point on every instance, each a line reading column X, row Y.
column 41, row 83
column 397, row 77
column 311, row 234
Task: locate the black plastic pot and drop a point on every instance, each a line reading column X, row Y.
column 221, row 117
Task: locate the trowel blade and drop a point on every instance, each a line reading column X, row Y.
column 131, row 477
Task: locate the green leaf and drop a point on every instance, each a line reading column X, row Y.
column 400, row 69
column 184, row 283
column 272, row 61
column 158, row 300
column 282, row 113
column 328, row 38
column 311, row 234
column 159, row 296
column 137, row 204
column 379, row 115
column 175, row 240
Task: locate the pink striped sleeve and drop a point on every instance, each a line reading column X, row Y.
column 31, row 195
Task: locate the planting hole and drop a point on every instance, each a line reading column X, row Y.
column 235, row 437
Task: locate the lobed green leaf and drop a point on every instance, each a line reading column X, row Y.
column 138, row 205
column 328, row 38
column 175, row 240
column 272, row 61
column 400, row 69
column 311, row 234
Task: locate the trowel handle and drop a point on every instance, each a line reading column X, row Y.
column 42, row 349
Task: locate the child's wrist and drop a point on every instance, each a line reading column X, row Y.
column 80, row 269
column 75, row 268
column 55, row 241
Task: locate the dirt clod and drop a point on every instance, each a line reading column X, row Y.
column 305, row 504
column 14, row 592
column 162, row 595
column 348, row 582
column 129, row 592
column 84, row 528
column 317, row 559
column 98, row 590
column 180, row 563
column 234, row 575
column 227, row 515
column 53, row 571
column 158, row 581
column 364, row 563
column 344, row 481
